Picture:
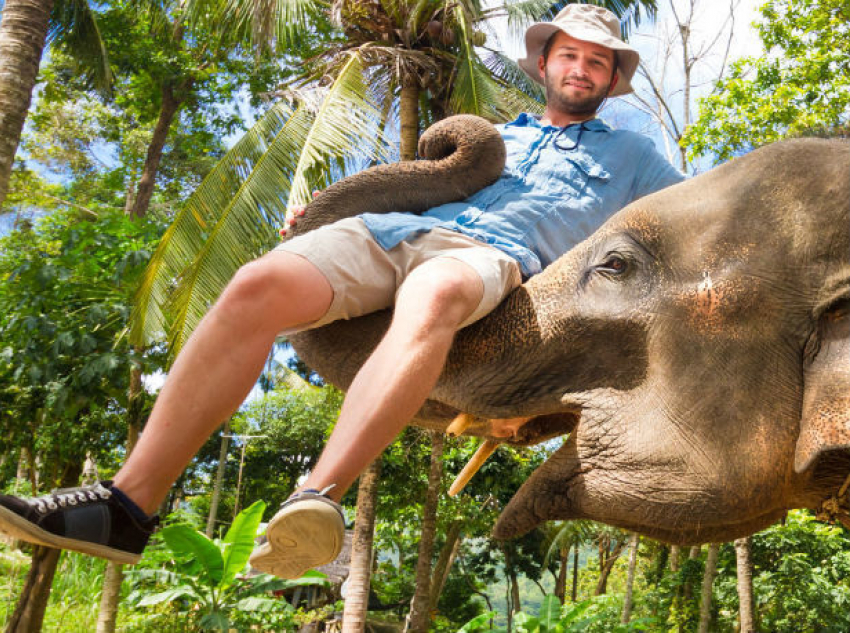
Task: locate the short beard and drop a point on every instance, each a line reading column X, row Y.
column 559, row 102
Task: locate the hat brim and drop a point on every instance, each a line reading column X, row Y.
column 537, row 35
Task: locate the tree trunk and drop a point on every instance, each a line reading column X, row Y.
column 409, row 118
column 219, row 479
column 29, row 613
column 675, row 553
column 606, row 564
column 561, row 580
column 707, row 584
column 23, row 30
column 420, row 614
column 745, row 585
column 110, row 595
column 357, row 599
column 574, row 591
column 170, row 105
column 444, row 563
column 634, row 543
column 687, row 588
column 515, row 599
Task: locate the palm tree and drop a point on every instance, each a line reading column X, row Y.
column 746, row 610
column 610, row 542
column 26, row 26
column 360, row 569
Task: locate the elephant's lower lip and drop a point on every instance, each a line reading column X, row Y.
column 544, row 427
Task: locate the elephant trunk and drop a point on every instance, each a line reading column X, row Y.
column 465, row 153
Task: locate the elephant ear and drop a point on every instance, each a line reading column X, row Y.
column 825, row 425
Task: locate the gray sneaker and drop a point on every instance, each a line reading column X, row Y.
column 307, row 532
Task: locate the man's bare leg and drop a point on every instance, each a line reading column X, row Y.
column 388, row 390
column 396, row 379
column 219, row 365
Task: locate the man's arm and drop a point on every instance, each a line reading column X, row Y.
column 654, row 172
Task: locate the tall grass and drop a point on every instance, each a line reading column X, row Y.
column 74, row 598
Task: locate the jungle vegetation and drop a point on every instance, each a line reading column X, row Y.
column 160, row 145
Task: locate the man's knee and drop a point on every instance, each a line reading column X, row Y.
column 253, row 284
column 445, row 293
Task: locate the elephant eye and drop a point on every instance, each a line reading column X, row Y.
column 614, row 264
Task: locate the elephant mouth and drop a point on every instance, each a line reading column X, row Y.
column 544, row 427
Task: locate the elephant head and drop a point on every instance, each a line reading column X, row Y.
column 696, row 349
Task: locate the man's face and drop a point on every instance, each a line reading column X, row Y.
column 578, row 75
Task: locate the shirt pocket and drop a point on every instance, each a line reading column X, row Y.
column 572, row 174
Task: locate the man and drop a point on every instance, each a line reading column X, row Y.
column 566, row 173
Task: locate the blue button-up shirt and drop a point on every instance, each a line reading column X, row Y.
column 558, row 186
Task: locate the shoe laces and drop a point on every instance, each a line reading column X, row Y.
column 70, row 497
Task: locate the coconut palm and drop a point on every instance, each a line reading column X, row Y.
column 25, row 28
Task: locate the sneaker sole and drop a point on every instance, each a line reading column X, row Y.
column 18, row 527
column 300, row 537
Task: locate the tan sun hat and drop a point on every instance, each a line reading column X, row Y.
column 588, row 23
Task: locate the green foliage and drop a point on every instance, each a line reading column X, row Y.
column 801, row 580
column 802, row 84
column 64, row 359
column 205, row 583
column 598, row 614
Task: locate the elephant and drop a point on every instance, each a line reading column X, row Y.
column 694, row 351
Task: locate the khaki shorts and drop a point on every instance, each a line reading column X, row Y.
column 366, row 278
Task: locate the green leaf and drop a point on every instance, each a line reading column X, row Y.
column 262, row 604
column 187, row 542
column 478, row 623
column 550, row 612
column 239, row 541
column 575, row 611
column 215, row 620
column 525, row 623
column 169, row 595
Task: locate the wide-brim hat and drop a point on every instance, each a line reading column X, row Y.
column 588, row 23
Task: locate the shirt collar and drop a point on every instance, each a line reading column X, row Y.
column 527, row 119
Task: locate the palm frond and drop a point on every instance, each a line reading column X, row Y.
column 73, row 26
column 183, row 240
column 520, row 14
column 421, row 12
column 346, row 116
column 265, row 24
column 232, row 217
column 508, row 71
column 473, row 89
